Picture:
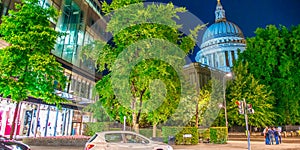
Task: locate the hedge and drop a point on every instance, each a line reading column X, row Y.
column 149, row 132
column 204, row 134
column 179, row 132
column 218, row 135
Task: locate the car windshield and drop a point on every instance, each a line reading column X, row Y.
column 113, row 137
column 132, row 138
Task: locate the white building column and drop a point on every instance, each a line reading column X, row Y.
column 230, row 58
column 212, row 60
column 224, row 53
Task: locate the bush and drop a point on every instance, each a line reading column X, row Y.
column 179, row 132
column 204, row 134
column 57, row 141
column 92, row 127
column 169, row 131
column 115, row 129
column 194, row 139
column 218, row 135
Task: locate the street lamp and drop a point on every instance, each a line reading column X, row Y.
column 224, row 92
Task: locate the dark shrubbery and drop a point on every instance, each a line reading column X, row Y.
column 181, row 134
column 218, row 135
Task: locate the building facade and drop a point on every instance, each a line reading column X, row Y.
column 221, row 43
column 82, row 23
column 198, row 74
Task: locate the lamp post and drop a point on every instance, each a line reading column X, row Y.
column 224, row 96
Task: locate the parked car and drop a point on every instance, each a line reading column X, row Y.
column 7, row 144
column 123, row 140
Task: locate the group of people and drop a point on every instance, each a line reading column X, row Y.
column 272, row 135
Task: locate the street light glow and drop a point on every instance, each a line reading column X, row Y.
column 228, row 74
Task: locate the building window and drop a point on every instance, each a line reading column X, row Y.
column 71, row 24
column 232, row 57
column 73, row 84
column 83, row 90
column 227, row 59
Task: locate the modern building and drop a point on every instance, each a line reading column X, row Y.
column 82, row 23
column 221, row 42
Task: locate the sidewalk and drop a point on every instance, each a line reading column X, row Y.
column 239, row 145
column 232, row 145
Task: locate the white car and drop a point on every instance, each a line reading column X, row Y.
column 123, row 140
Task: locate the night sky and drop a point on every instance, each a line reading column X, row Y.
column 247, row 14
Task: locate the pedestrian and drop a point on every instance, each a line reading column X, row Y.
column 276, row 135
column 279, row 134
column 266, row 136
column 271, row 136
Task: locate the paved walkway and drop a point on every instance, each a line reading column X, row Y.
column 239, row 145
column 232, row 145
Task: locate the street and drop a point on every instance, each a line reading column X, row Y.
column 232, row 145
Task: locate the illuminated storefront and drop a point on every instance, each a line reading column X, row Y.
column 78, row 20
column 6, row 116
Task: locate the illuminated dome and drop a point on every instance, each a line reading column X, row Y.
column 222, row 29
column 221, row 42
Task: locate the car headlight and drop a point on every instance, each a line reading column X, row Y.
column 169, row 147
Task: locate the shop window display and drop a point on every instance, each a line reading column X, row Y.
column 27, row 122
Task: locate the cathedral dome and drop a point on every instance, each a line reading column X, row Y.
column 221, row 43
column 222, row 29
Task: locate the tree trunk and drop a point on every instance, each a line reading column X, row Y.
column 136, row 128
column 197, row 114
column 12, row 131
column 135, row 124
column 154, row 130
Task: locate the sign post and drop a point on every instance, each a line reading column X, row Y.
column 124, row 128
column 246, row 120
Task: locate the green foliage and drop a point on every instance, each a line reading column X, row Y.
column 115, row 129
column 26, row 67
column 180, row 139
column 211, row 108
column 246, row 86
column 92, row 127
column 178, row 133
column 148, row 132
column 98, row 111
column 218, row 135
column 273, row 57
column 204, row 134
column 144, row 59
column 169, row 131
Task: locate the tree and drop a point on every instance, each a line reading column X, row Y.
column 98, row 111
column 246, row 86
column 273, row 57
column 211, row 95
column 202, row 103
column 27, row 68
column 147, row 50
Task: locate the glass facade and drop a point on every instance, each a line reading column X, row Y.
column 76, row 27
column 70, row 24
